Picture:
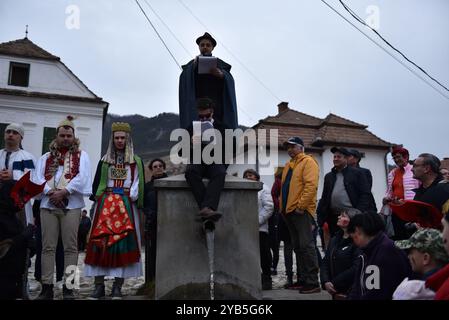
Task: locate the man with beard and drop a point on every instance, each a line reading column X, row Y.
column 217, row 85
column 66, row 172
column 426, row 170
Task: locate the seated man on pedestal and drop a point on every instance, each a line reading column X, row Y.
column 207, row 197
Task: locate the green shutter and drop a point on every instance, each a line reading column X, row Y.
column 49, row 135
column 2, row 130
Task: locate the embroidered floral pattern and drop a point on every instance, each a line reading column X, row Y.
column 114, row 222
column 57, row 157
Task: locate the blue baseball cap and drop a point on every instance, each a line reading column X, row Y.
column 294, row 140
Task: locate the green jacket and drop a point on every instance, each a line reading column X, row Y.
column 101, row 179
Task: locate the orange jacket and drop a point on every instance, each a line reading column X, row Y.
column 303, row 184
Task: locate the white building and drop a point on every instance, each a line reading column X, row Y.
column 38, row 91
column 319, row 136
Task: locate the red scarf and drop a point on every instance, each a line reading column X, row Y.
column 62, row 152
column 53, row 161
column 439, row 282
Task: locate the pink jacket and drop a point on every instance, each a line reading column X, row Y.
column 409, row 183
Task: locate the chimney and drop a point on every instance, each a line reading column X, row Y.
column 283, row 106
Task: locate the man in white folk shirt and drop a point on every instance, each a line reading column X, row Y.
column 15, row 162
column 66, row 170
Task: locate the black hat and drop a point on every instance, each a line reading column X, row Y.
column 341, row 150
column 206, row 35
column 355, row 153
column 294, row 140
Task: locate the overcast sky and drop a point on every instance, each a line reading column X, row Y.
column 301, row 50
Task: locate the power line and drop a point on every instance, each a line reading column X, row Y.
column 168, row 28
column 387, row 52
column 241, row 63
column 160, row 38
column 229, row 51
column 389, row 44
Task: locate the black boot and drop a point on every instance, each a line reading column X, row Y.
column 266, row 282
column 209, row 214
column 99, row 292
column 46, row 293
column 208, row 225
column 289, row 282
column 116, row 293
column 67, row 294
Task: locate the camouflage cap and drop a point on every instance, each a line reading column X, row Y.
column 426, row 240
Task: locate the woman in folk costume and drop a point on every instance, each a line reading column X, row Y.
column 114, row 243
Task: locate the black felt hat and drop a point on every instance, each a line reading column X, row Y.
column 355, row 153
column 206, row 35
column 342, row 150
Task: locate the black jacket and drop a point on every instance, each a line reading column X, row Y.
column 369, row 178
column 340, row 263
column 356, row 186
column 150, row 200
column 85, row 224
column 12, row 229
column 436, row 194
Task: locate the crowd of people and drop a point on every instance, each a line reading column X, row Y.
column 360, row 259
column 399, row 251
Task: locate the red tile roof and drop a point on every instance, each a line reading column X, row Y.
column 316, row 132
column 337, row 120
column 290, row 116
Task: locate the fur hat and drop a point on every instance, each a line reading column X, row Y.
column 67, row 122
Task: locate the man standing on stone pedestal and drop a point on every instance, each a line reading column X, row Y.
column 114, row 244
column 66, row 172
column 218, row 85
